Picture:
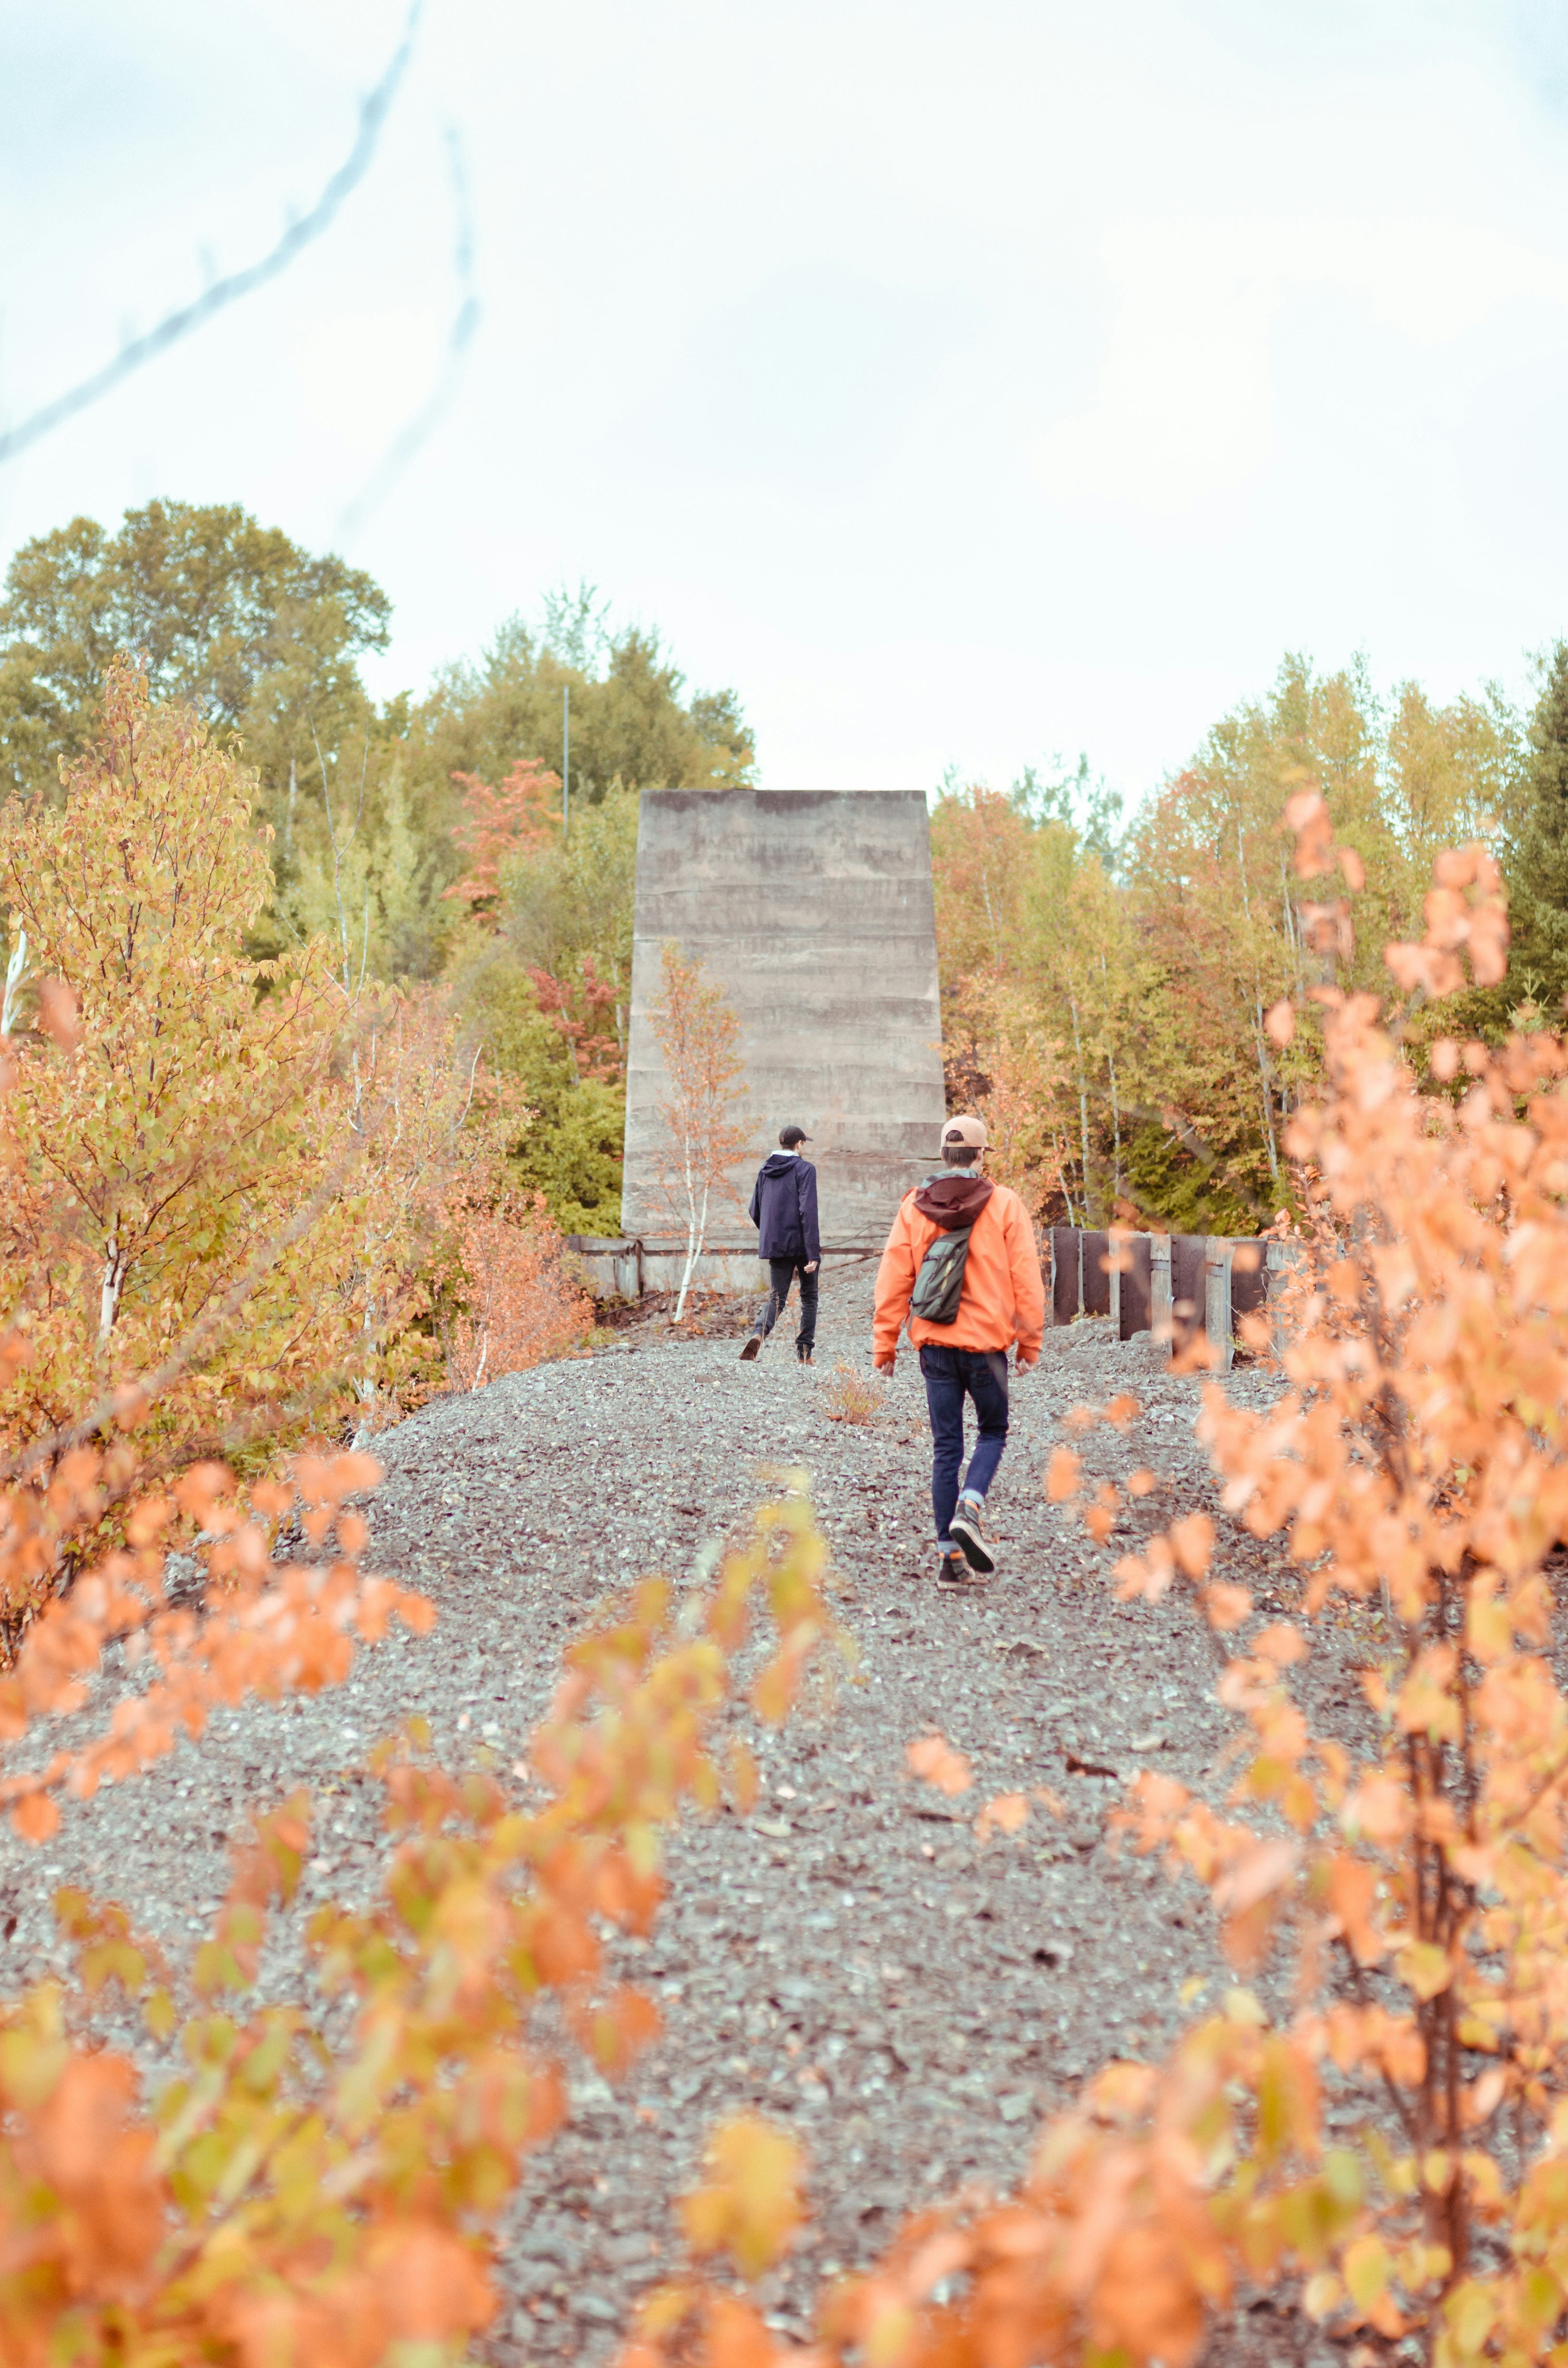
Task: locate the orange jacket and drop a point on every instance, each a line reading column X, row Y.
column 1004, row 1296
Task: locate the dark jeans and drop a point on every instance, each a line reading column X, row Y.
column 952, row 1375
column 782, row 1273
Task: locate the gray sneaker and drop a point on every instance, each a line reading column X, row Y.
column 969, row 1537
column 954, row 1573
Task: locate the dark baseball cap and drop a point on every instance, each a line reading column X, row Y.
column 788, row 1136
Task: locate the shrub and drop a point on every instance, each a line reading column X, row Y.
column 850, row 1397
column 169, row 1123
column 281, row 2202
column 521, row 1300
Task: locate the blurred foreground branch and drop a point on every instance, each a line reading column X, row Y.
column 373, row 111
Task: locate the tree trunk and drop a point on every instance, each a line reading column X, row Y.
column 1257, row 1037
column 113, row 1283
column 696, row 1235
column 1266, row 1081
column 1082, row 1097
column 1115, row 1099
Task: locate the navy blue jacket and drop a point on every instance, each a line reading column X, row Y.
column 784, row 1208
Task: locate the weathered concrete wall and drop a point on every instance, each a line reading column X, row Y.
column 812, row 909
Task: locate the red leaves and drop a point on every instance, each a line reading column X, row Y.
column 499, row 824
column 581, row 1006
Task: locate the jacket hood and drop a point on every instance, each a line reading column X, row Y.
column 779, row 1163
column 953, row 1198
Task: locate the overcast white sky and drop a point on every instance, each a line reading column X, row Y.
column 960, row 383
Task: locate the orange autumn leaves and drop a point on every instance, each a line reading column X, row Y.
column 1415, row 1459
column 269, row 1628
column 933, row 1759
column 281, row 2202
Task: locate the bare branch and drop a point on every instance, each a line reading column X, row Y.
column 460, row 336
column 373, row 111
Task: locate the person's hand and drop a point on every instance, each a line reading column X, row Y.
column 885, row 1365
column 812, row 1266
column 1025, row 1362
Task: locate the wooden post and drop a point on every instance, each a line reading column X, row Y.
column 1283, row 1257
column 1066, row 1277
column 1217, row 1301
column 1160, row 1291
column 1133, row 1301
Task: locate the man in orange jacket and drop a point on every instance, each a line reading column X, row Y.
column 1002, row 1301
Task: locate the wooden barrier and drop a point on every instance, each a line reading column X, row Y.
column 1176, row 1287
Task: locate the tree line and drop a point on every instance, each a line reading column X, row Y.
column 364, row 804
column 1107, row 988
column 1106, row 980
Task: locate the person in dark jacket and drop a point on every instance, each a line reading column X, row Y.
column 784, row 1210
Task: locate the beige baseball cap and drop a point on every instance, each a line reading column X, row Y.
column 969, row 1132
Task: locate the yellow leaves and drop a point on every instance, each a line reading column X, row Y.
column 1424, row 1968
column 1469, row 2314
column 106, row 1950
column 1287, row 2093
column 1425, row 1703
column 1322, row 2294
column 935, row 1762
column 1186, row 1547
column 749, row 2206
column 1367, row 2268
column 1122, row 2091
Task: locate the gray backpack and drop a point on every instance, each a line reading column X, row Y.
column 939, row 1286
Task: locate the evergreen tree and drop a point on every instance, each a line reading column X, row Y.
column 1537, row 871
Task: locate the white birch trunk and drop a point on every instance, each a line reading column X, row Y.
column 696, row 1235
column 113, row 1283
column 1082, row 1097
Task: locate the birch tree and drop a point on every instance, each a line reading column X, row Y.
column 698, row 1032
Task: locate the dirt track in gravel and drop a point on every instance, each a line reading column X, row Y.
column 849, row 1959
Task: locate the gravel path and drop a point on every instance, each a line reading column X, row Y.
column 849, row 1959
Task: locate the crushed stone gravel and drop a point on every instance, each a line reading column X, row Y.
column 849, row 1959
